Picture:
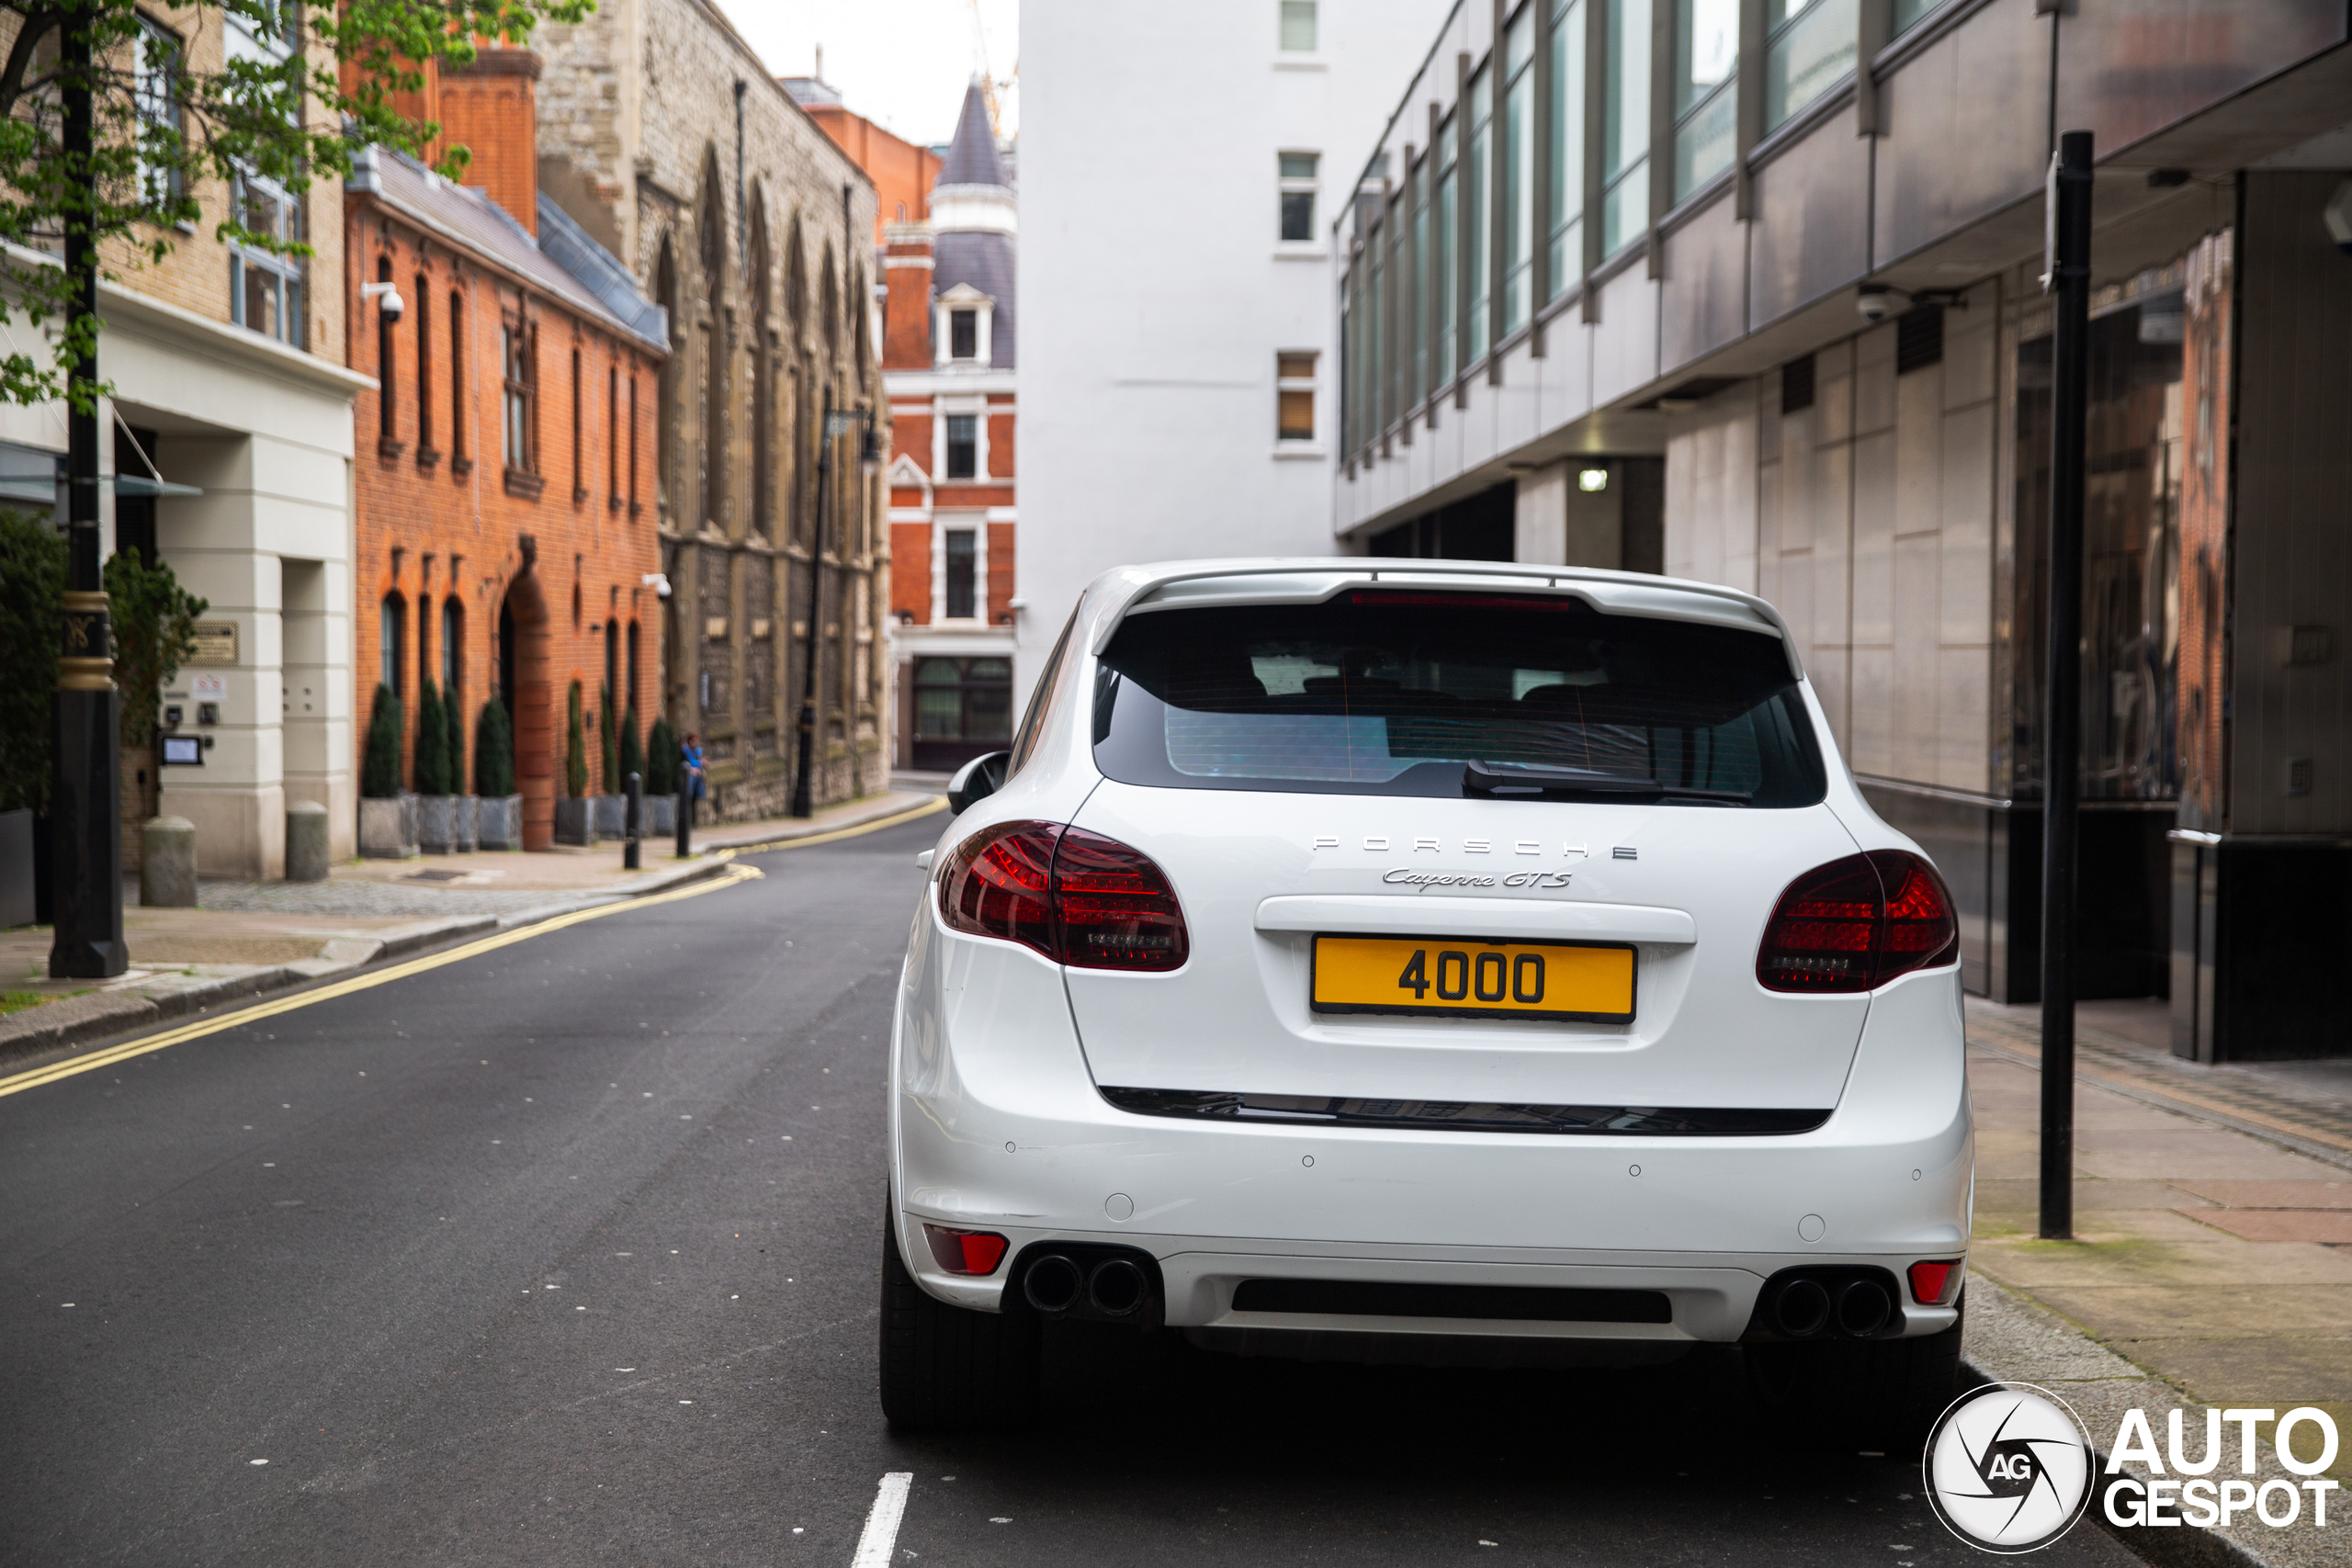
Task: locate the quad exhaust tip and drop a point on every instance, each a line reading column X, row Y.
column 1863, row 1308
column 1116, row 1288
column 1053, row 1283
column 1803, row 1310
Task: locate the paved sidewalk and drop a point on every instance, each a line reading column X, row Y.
column 249, row 937
column 2213, row 1259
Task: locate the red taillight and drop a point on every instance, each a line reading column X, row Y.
column 964, row 1252
column 1856, row 923
column 1078, row 897
column 1930, row 1282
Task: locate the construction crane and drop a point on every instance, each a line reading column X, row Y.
column 989, row 83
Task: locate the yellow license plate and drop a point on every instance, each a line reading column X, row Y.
column 1458, row 977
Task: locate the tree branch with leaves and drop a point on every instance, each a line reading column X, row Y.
column 288, row 95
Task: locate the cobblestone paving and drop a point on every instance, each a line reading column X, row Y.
column 356, row 899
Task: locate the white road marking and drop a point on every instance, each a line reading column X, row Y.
column 881, row 1538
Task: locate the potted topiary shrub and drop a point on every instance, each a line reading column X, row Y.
column 436, row 807
column 499, row 812
column 661, row 779
column 575, row 814
column 387, row 825
column 612, row 806
column 466, row 824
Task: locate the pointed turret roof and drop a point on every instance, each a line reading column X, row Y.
column 971, row 156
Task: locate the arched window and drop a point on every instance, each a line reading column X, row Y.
column 612, row 658
column 459, row 459
column 392, row 640
column 453, row 647
column 387, row 343
column 761, row 347
column 667, row 477
column 423, row 368
column 633, row 704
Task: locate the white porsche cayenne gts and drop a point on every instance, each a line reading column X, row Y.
column 1435, row 962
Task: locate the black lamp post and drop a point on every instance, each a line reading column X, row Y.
column 85, row 788
column 837, row 421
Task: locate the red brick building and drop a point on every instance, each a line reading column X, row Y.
column 903, row 172
column 505, row 542
column 948, row 364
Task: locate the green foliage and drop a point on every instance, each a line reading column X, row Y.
column 288, row 120
column 32, row 607
column 380, row 771
column 575, row 747
column 661, row 760
column 493, row 750
column 632, row 755
column 154, row 633
column 429, row 767
column 608, row 751
column 453, row 724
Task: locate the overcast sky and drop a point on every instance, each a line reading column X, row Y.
column 901, row 63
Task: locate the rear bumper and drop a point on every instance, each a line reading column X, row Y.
column 997, row 1125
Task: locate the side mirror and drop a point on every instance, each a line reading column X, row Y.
column 977, row 780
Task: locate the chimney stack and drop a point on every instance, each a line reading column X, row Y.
column 490, row 107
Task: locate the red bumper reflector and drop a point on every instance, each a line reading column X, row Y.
column 1930, row 1282
column 964, row 1252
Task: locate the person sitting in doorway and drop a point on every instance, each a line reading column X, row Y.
column 690, row 755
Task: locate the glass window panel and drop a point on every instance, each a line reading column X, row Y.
column 1708, row 43
column 1296, row 417
column 962, row 334
column 1475, row 174
column 1298, row 26
column 1519, row 172
column 261, row 301
column 1908, row 12
column 1444, row 285
column 962, row 573
column 1298, row 165
column 1625, row 125
column 1294, row 366
column 1705, row 143
column 939, row 713
column 1812, row 50
column 963, row 446
column 1566, row 191
column 1298, row 215
column 936, row 673
column 1421, row 261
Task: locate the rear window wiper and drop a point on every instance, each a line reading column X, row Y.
column 1540, row 778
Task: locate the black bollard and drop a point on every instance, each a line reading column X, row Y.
column 632, row 823
column 685, row 817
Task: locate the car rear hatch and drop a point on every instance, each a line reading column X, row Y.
column 1496, row 859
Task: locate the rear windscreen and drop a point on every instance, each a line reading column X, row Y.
column 1452, row 695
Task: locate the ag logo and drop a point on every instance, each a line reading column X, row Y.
column 2009, row 1468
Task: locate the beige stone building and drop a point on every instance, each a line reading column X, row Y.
column 227, row 451
column 666, row 138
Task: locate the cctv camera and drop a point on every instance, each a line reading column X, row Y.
column 2337, row 214
column 392, row 306
column 1873, row 301
column 387, row 297
column 659, row 581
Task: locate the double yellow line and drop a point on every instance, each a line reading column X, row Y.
column 37, row 1077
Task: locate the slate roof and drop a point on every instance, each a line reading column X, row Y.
column 565, row 261
column 986, row 262
column 971, row 156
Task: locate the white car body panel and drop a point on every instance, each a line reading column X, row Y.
column 998, row 1053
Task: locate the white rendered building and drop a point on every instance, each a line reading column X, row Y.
column 1178, row 382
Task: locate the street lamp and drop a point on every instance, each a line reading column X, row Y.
column 85, row 792
column 869, row 455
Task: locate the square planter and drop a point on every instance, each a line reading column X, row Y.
column 611, row 815
column 437, row 823
column 469, row 818
column 661, row 817
column 498, row 821
column 387, row 829
column 575, row 821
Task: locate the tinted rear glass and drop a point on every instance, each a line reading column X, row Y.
column 1443, row 696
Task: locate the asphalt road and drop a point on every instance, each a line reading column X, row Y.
column 566, row 1254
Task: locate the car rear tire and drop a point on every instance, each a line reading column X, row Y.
column 948, row 1368
column 1873, row 1395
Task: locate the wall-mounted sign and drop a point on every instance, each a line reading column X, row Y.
column 216, row 643
column 208, row 688
column 183, row 751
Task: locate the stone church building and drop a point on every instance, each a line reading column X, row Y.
column 663, row 134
